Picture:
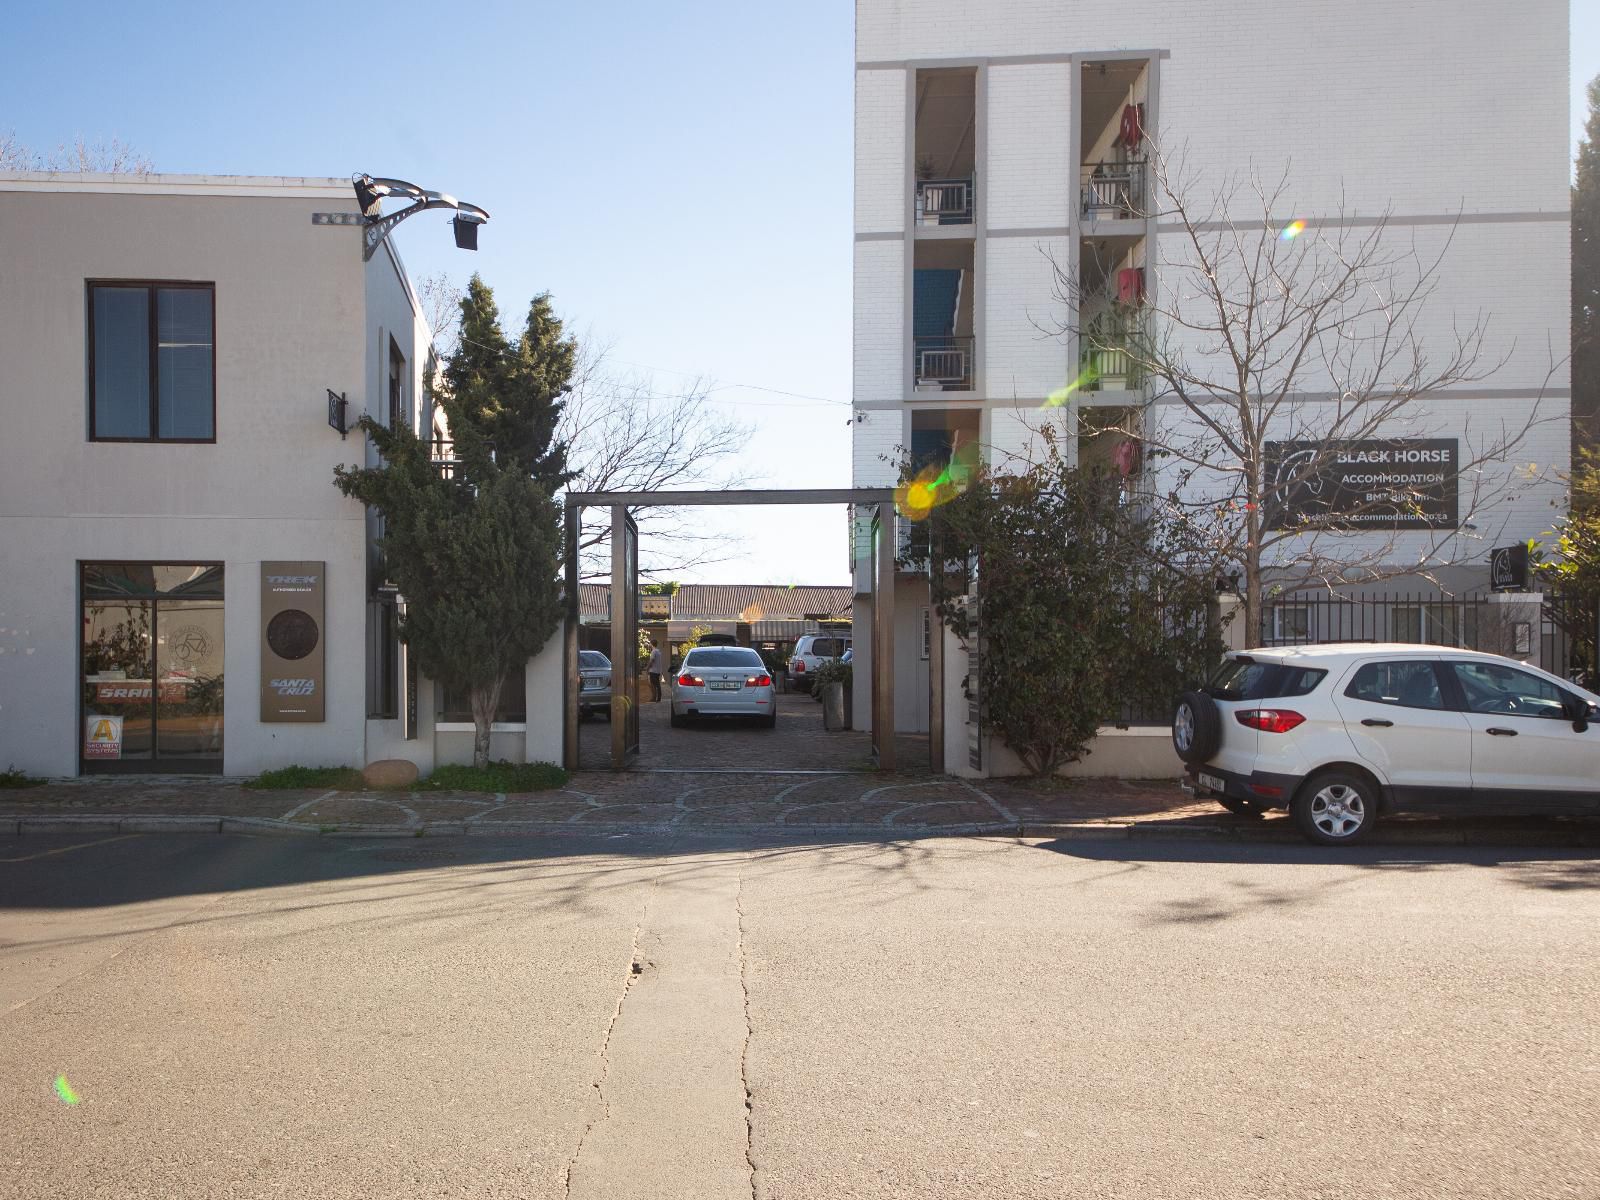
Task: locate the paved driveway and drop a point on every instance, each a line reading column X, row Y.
column 686, row 1017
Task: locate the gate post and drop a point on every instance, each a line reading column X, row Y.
column 883, row 639
column 569, row 658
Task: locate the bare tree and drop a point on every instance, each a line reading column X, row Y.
column 623, row 434
column 1288, row 376
column 441, row 299
column 106, row 156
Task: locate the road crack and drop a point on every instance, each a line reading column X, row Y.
column 744, row 1051
column 635, row 969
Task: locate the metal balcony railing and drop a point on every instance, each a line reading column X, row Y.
column 944, row 202
column 944, row 361
column 1114, row 190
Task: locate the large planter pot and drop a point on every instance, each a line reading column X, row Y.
column 833, row 708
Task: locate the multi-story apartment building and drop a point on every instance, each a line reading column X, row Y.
column 1005, row 147
column 182, row 588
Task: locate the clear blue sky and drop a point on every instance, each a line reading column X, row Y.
column 678, row 176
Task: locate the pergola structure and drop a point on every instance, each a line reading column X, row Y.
column 625, row 604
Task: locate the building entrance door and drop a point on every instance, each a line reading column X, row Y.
column 151, row 668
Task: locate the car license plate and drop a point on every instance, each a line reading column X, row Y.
column 725, row 687
column 1212, row 782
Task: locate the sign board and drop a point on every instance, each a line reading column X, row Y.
column 102, row 737
column 1377, row 484
column 293, row 647
column 1508, row 568
column 655, row 608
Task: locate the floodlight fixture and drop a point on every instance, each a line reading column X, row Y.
column 371, row 191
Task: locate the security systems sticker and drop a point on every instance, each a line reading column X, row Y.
column 102, row 737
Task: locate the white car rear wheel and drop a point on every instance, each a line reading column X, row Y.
column 1336, row 808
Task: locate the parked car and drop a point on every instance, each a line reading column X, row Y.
column 723, row 681
column 1343, row 734
column 594, row 684
column 810, row 652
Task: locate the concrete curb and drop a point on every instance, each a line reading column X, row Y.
column 1275, row 833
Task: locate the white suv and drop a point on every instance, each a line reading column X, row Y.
column 810, row 652
column 1341, row 734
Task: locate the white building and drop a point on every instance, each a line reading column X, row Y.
column 992, row 142
column 169, row 346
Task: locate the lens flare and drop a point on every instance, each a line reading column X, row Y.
column 1062, row 396
column 935, row 485
column 64, row 1091
column 1292, row 230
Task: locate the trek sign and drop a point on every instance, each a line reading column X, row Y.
column 1378, row 484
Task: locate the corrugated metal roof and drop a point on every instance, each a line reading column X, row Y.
column 735, row 602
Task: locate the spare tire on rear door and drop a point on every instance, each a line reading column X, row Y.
column 1196, row 728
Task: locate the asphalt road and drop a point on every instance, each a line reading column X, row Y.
column 242, row 1017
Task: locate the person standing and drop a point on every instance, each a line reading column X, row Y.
column 655, row 670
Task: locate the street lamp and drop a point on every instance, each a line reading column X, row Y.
column 370, row 194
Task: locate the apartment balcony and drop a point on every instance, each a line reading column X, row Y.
column 942, row 363
column 1110, row 367
column 1114, row 191
column 944, row 201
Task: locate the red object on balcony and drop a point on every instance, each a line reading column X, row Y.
column 1131, row 132
column 1130, row 285
column 1126, row 457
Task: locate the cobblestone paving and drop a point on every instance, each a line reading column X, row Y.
column 729, row 777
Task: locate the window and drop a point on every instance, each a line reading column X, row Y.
column 1491, row 688
column 152, row 667
column 456, row 704
column 383, row 658
column 1246, row 679
column 397, row 388
column 1446, row 624
column 826, row 647
column 1412, row 683
column 593, row 660
column 152, row 375
column 732, row 656
column 1291, row 623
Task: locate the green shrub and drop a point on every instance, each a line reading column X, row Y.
column 345, row 779
column 498, row 776
column 13, row 778
column 834, row 671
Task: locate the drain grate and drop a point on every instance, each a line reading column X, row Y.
column 418, row 855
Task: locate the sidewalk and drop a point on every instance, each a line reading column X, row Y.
column 853, row 803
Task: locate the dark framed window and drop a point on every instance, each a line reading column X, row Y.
column 1506, row 691
column 397, row 387
column 150, row 665
column 383, row 658
column 455, row 705
column 152, row 362
column 1408, row 683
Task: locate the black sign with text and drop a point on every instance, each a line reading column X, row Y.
column 1377, row 484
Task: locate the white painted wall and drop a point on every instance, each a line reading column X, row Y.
column 291, row 305
column 1031, row 181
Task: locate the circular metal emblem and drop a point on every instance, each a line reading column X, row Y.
column 292, row 633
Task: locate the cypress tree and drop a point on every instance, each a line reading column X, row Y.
column 1586, row 287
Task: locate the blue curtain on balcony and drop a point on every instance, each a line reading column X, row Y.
column 933, row 303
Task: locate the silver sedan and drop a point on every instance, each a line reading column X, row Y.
column 723, row 681
column 594, row 687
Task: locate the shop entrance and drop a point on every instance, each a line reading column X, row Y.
column 876, row 503
column 151, row 668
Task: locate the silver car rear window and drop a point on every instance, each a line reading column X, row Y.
column 733, row 656
column 592, row 660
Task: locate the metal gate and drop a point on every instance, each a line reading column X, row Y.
column 624, row 637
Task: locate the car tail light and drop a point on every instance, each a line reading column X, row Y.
column 1269, row 720
column 799, row 666
column 688, row 680
column 762, row 680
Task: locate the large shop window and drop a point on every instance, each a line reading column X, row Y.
column 456, row 707
column 152, row 667
column 152, row 363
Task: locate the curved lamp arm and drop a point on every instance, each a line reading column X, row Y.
column 370, row 193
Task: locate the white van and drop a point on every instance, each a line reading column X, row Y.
column 810, row 652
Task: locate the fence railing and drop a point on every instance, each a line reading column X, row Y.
column 1113, row 190
column 1109, row 368
column 944, row 201
column 943, row 360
